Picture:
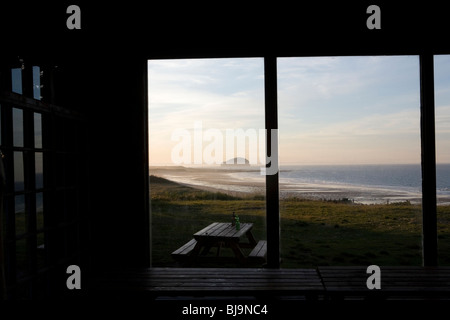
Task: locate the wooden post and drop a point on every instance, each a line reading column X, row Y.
column 47, row 91
column 427, row 127
column 3, row 295
column 272, row 183
column 27, row 80
column 5, row 78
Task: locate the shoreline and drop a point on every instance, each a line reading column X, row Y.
column 227, row 180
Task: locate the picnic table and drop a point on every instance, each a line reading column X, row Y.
column 222, row 235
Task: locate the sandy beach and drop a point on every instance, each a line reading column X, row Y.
column 211, row 179
column 236, row 182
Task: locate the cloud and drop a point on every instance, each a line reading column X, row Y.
column 220, row 93
column 442, row 119
column 378, row 138
column 334, row 110
column 349, row 109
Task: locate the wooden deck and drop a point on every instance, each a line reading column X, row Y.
column 212, row 282
column 323, row 283
column 397, row 283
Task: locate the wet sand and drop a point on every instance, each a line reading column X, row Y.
column 212, row 179
column 231, row 181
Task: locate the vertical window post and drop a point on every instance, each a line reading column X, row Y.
column 27, row 81
column 272, row 183
column 427, row 127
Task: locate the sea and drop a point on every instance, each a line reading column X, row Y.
column 368, row 184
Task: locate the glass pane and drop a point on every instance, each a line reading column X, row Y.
column 20, row 214
column 38, row 161
column 206, row 120
column 40, row 210
column 37, row 130
column 350, row 149
column 36, row 82
column 19, row 177
column 442, row 96
column 16, row 80
column 17, row 127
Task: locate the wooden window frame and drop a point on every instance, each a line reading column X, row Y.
column 59, row 249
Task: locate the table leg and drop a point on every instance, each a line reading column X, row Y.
column 206, row 249
column 219, row 246
column 237, row 252
column 195, row 252
column 251, row 239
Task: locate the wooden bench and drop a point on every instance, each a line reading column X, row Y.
column 259, row 252
column 183, row 252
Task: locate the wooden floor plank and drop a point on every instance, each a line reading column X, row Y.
column 395, row 281
column 412, row 282
column 214, row 281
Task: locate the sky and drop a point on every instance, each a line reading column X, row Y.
column 331, row 110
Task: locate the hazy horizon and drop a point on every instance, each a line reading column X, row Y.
column 256, row 166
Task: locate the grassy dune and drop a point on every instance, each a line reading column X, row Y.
column 313, row 233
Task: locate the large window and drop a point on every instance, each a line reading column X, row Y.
column 24, row 214
column 206, row 149
column 41, row 154
column 349, row 152
column 350, row 160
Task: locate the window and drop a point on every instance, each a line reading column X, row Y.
column 38, row 130
column 442, row 115
column 350, row 150
column 206, row 148
column 18, row 127
column 350, row 180
column 16, row 80
column 19, row 175
column 41, row 216
column 37, row 82
column 20, row 85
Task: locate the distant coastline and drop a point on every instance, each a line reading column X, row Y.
column 309, row 184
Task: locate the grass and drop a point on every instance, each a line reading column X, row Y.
column 313, row 233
